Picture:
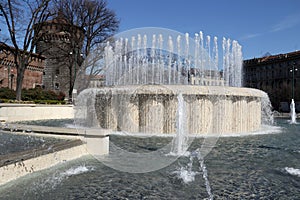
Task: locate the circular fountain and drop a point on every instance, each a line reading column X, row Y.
column 146, row 75
column 161, row 82
column 153, row 109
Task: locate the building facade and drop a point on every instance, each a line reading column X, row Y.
column 277, row 75
column 61, row 44
column 8, row 72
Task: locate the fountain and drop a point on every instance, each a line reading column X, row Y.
column 293, row 112
column 161, row 82
column 148, row 75
column 181, row 92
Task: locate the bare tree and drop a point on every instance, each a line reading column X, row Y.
column 98, row 22
column 21, row 18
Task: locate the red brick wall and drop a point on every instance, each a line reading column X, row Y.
column 8, row 72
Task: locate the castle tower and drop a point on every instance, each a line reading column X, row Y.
column 60, row 42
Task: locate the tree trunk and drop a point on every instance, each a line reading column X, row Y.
column 20, row 76
column 71, row 81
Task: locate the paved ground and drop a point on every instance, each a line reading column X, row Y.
column 41, row 129
column 32, row 153
column 72, row 136
column 38, row 130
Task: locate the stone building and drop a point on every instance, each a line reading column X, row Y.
column 61, row 44
column 8, row 72
column 278, row 75
column 205, row 77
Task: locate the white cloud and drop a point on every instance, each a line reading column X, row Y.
column 250, row 36
column 286, row 23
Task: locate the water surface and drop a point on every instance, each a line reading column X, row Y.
column 249, row 167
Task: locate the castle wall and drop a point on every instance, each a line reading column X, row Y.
column 60, row 43
column 8, row 72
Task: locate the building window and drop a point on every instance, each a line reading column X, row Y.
column 57, row 72
column 56, row 86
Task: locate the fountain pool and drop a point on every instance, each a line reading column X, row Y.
column 14, row 143
column 262, row 166
column 159, row 81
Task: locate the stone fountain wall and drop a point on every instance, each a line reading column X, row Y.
column 153, row 109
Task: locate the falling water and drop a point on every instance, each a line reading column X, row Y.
column 178, row 60
column 293, row 112
column 187, row 174
column 205, row 176
column 180, row 147
column 175, row 60
column 209, row 57
column 172, row 60
column 216, row 59
column 171, row 49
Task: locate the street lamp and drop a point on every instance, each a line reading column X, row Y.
column 11, row 80
column 292, row 106
column 293, row 80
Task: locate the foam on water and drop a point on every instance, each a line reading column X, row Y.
column 292, row 171
column 76, row 170
column 186, row 175
column 265, row 129
column 52, row 181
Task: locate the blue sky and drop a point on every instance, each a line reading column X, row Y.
column 260, row 26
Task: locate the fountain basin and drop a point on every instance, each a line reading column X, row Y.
column 154, row 108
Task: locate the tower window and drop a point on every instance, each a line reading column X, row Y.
column 56, row 86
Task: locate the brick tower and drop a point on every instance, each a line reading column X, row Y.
column 60, row 43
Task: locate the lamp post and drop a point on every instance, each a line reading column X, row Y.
column 11, row 81
column 293, row 79
column 73, row 75
column 76, row 59
column 292, row 106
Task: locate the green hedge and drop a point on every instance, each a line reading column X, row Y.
column 6, row 93
column 49, row 102
column 36, row 95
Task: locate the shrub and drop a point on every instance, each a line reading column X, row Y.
column 37, row 95
column 6, row 93
column 49, row 102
